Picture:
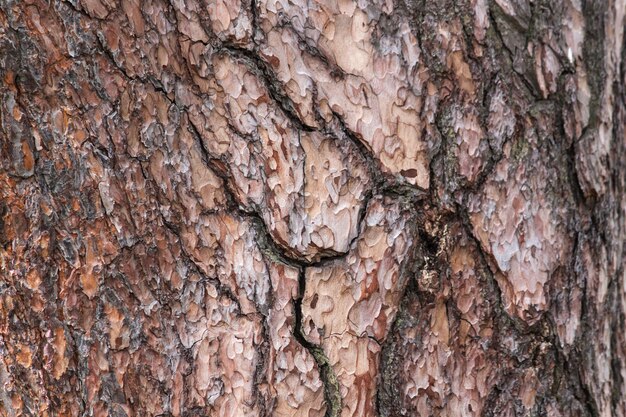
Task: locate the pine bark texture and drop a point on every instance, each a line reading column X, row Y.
column 295, row 208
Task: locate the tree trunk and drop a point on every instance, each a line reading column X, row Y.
column 288, row 208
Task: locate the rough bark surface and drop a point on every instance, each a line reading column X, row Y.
column 296, row 208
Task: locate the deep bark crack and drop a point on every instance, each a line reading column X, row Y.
column 332, row 395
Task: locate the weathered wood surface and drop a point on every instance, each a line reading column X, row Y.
column 297, row 208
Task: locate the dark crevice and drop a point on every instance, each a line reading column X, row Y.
column 423, row 255
column 267, row 241
column 262, row 69
column 617, row 321
column 254, row 21
column 495, row 12
column 312, row 50
column 364, row 149
column 156, row 84
column 260, row 370
column 332, row 395
column 270, row 81
column 485, row 258
column 593, row 54
column 270, row 248
column 585, row 395
column 383, row 184
column 577, row 190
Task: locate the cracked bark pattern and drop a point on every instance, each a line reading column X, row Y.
column 295, row 208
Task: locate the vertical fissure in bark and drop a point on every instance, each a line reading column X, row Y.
column 573, row 365
column 617, row 321
column 593, row 53
column 421, row 255
column 365, row 151
column 332, row 395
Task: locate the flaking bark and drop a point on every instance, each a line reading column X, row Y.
column 295, row 208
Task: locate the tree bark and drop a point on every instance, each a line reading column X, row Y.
column 296, row 208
